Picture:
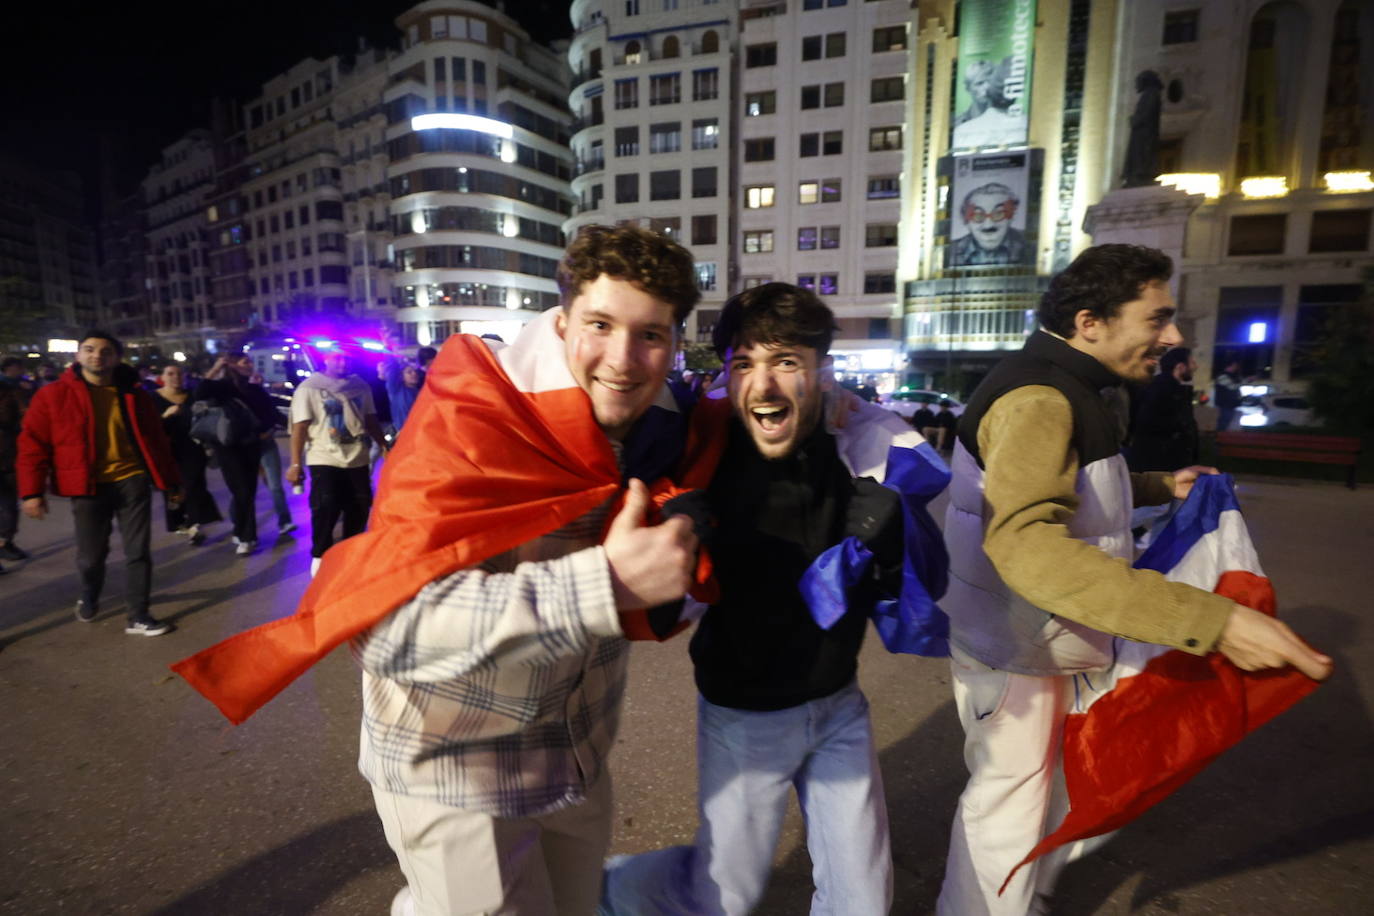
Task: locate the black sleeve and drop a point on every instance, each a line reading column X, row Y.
column 874, row 516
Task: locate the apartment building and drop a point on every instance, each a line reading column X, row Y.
column 653, row 93
column 823, row 144
column 47, row 255
column 479, row 171
column 1268, row 116
column 176, row 191
column 125, row 294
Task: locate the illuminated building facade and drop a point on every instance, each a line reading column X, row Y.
column 177, row 268
column 1009, row 105
column 1269, row 113
column 478, row 195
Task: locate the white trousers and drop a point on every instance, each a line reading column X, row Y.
column 1013, row 726
column 465, row 862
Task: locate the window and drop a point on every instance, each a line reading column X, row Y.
column 706, row 276
column 889, row 38
column 880, row 283
column 760, row 103
column 832, row 143
column 1180, row 27
column 758, row 196
column 887, row 89
column 880, row 235
column 665, row 89
column 710, row 42
column 1339, row 230
column 884, row 138
column 631, row 7
column 762, row 55
column 834, row 95
column 806, row 238
column 830, row 236
column 811, row 97
column 704, row 181
column 627, row 141
column 479, row 69
column 626, row 94
column 288, row 219
column 704, row 229
column 668, row 226
column 811, row 47
column 705, row 84
column 827, row 191
column 829, row 284
column 671, row 46
column 751, row 282
column 807, row 281
column 884, row 187
column 760, row 150
column 633, row 53
column 880, row 328
column 665, row 185
column 1261, row 234
column 665, row 137
column 758, row 241
column 627, row 189
column 834, row 44
column 705, row 133
column 810, row 145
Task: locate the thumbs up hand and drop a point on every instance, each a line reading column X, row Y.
column 650, row 565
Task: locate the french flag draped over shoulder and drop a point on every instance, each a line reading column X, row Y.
column 1158, row 716
column 500, row 448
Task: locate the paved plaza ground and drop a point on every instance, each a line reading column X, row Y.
column 125, row 792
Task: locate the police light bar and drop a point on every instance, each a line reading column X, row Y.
column 456, row 121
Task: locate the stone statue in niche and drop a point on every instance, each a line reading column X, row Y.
column 1142, row 149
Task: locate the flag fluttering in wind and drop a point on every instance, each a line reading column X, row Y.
column 1158, row 716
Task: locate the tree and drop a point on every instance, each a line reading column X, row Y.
column 1341, row 389
column 697, row 356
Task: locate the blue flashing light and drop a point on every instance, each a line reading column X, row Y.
column 373, row 345
column 323, row 344
column 1259, row 331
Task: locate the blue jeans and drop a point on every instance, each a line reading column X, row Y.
column 271, row 466
column 747, row 762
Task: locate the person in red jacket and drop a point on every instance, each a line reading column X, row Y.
column 95, row 436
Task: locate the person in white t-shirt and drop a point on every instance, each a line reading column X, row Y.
column 333, row 426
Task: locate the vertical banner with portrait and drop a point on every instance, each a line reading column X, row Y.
column 990, row 209
column 993, row 90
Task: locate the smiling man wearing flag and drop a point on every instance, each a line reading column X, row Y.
column 1039, row 536
column 489, row 600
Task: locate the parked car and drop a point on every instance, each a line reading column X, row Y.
column 907, row 401
column 1276, row 409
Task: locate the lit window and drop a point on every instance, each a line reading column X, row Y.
column 758, row 196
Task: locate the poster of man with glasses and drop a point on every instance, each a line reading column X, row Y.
column 988, row 219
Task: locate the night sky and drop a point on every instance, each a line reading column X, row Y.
column 88, row 85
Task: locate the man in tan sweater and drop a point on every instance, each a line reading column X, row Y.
column 1038, row 531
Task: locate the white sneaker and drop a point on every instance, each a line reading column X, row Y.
column 245, row 547
column 403, row 904
column 287, row 528
column 314, row 568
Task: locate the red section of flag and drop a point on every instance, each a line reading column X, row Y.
column 1156, row 730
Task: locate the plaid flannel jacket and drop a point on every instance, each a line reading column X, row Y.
column 498, row 688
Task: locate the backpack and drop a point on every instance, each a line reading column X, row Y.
column 223, row 423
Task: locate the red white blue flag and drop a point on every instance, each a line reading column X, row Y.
column 1158, row 716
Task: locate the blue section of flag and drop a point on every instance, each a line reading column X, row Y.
column 911, row 623
column 1200, row 514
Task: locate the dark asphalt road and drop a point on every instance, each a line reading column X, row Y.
column 127, row 793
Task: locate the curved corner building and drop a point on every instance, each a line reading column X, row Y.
column 477, row 139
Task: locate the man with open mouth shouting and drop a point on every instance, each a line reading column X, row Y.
column 776, row 656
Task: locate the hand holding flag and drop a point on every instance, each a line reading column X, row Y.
column 1253, row 641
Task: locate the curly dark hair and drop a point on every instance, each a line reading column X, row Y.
column 1101, row 279
column 774, row 313
column 659, row 266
